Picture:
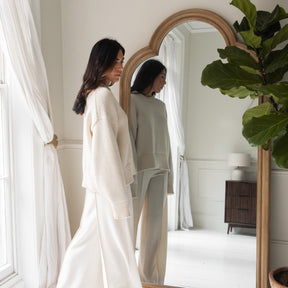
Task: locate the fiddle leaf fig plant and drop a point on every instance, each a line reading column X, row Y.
column 257, row 71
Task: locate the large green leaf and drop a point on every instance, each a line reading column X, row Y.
column 264, row 30
column 276, row 60
column 256, row 112
column 277, row 75
column 243, row 26
column 264, row 21
column 239, row 92
column 258, row 131
column 226, row 76
column 271, row 43
column 280, row 151
column 251, row 39
column 248, row 9
column 279, row 90
column 238, row 56
column 263, row 18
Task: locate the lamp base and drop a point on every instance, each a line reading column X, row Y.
column 238, row 174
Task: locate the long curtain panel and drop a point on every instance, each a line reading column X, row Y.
column 19, row 40
column 182, row 216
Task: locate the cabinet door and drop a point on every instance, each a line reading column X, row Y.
column 240, row 202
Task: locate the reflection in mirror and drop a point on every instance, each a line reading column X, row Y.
column 204, row 128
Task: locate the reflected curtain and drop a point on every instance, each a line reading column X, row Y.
column 180, row 215
column 19, row 40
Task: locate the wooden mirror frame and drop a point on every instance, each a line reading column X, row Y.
column 264, row 159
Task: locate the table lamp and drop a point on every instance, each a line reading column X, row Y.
column 239, row 161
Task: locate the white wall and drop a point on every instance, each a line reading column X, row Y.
column 71, row 27
column 51, row 40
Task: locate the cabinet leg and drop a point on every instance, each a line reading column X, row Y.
column 229, row 228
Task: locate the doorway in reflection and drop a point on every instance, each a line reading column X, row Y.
column 210, row 124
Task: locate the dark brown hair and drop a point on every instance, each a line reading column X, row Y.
column 147, row 74
column 102, row 57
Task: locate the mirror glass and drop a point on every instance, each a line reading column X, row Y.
column 205, row 253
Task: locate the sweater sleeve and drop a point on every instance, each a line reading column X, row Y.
column 170, row 176
column 107, row 168
column 133, row 135
column 133, row 120
column 133, row 128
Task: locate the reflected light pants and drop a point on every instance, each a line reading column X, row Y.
column 151, row 200
column 101, row 253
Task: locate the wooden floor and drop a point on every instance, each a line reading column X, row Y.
column 195, row 258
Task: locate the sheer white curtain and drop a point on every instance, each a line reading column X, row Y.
column 180, row 215
column 19, row 40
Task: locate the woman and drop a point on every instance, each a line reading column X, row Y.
column 101, row 253
column 152, row 156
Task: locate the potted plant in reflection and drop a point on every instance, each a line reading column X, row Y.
column 258, row 71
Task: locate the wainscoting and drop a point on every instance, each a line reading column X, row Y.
column 207, row 191
column 70, row 159
column 278, row 218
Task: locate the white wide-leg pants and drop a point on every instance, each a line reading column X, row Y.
column 151, row 201
column 101, row 254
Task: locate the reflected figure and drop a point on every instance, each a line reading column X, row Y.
column 101, row 253
column 154, row 179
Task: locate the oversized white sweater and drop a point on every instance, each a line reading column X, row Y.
column 150, row 136
column 107, row 155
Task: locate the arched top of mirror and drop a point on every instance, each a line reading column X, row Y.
column 155, row 42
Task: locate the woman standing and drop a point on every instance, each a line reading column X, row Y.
column 101, row 253
column 152, row 155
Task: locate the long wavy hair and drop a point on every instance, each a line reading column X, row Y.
column 147, row 74
column 102, row 57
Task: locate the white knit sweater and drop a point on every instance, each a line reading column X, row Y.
column 150, row 136
column 107, row 155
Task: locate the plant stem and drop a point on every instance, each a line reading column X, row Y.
column 262, row 73
column 274, row 104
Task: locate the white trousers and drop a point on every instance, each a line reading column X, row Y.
column 151, row 201
column 101, row 254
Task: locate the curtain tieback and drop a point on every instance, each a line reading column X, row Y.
column 54, row 141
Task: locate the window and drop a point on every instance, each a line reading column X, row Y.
column 6, row 211
column 18, row 222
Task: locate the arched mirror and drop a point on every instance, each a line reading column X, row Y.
column 207, row 31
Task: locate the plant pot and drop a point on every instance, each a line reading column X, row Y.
column 278, row 277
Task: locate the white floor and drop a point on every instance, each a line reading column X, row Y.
column 205, row 259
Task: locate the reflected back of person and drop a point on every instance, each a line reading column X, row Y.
column 154, row 179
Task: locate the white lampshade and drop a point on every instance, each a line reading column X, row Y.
column 238, row 160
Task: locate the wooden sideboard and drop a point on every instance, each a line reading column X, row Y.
column 240, row 204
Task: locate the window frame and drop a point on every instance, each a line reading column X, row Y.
column 7, row 252
column 9, row 276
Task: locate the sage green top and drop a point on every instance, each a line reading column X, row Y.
column 150, row 136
